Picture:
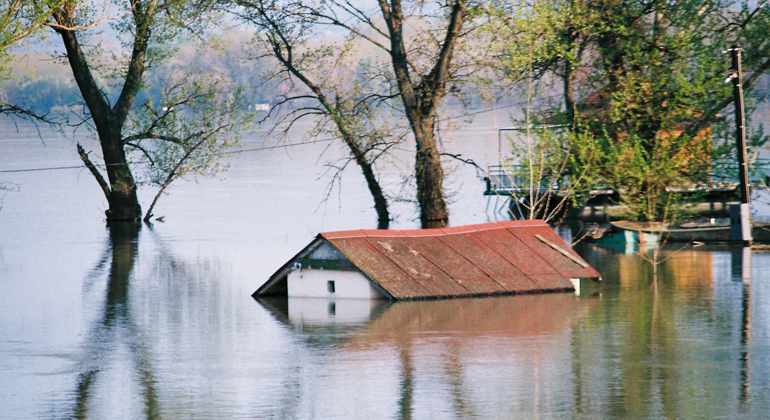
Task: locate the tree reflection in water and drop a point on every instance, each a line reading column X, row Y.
column 662, row 342
column 115, row 326
column 407, row 384
column 628, row 351
column 440, row 350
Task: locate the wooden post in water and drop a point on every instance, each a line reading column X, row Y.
column 740, row 215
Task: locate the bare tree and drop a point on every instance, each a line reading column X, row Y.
column 333, row 88
column 420, row 41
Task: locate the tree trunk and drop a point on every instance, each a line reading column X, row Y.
column 124, row 204
column 430, row 177
column 420, row 101
column 380, row 202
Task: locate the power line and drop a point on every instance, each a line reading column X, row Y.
column 282, row 146
column 56, row 168
column 255, row 149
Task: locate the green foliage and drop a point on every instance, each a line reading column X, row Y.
column 199, row 118
column 645, row 76
column 651, row 180
column 556, row 169
column 18, row 20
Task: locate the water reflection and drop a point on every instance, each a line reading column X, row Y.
column 687, row 329
column 322, row 322
column 168, row 338
column 745, row 344
column 465, row 358
column 115, row 328
column 741, row 266
column 378, row 320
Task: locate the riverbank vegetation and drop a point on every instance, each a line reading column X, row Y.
column 642, row 82
column 620, row 94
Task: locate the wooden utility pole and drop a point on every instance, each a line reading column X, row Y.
column 740, row 215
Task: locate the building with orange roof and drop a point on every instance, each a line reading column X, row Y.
column 502, row 258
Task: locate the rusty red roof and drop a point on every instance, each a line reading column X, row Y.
column 524, row 256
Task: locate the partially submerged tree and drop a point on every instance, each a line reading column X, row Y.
column 334, row 88
column 421, row 92
column 184, row 133
column 146, row 28
column 420, row 41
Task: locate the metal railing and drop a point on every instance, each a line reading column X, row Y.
column 502, row 180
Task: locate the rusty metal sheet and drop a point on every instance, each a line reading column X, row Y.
column 491, row 263
column 561, row 263
column 516, row 252
column 401, row 252
column 455, row 264
column 490, row 258
column 379, row 268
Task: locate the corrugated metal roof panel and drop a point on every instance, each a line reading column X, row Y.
column 484, row 259
column 514, row 251
column 565, row 266
column 455, row 265
column 510, row 278
column 401, row 252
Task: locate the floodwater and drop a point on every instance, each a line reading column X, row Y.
column 114, row 322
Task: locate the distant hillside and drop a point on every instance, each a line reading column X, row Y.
column 46, row 85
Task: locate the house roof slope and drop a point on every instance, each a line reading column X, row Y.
column 477, row 260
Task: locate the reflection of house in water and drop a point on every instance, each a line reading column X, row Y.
column 313, row 311
column 469, row 357
column 508, row 316
column 477, row 260
column 382, row 321
column 474, row 323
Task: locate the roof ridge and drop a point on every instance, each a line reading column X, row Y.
column 405, row 233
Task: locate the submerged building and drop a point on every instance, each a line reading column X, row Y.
column 501, row 258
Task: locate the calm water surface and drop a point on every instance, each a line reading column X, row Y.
column 115, row 322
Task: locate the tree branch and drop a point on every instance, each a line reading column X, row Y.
column 142, row 136
column 95, row 172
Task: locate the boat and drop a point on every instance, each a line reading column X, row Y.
column 691, row 231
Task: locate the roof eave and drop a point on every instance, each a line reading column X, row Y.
column 286, row 268
column 307, row 250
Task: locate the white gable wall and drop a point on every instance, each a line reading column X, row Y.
column 314, row 283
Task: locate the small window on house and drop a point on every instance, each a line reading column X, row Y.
column 330, row 286
column 332, row 309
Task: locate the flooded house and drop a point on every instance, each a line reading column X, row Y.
column 501, row 258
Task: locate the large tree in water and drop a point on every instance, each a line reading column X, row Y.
column 146, row 30
column 420, row 95
column 420, row 40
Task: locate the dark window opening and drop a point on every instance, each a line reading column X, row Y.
column 330, row 286
column 332, row 310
